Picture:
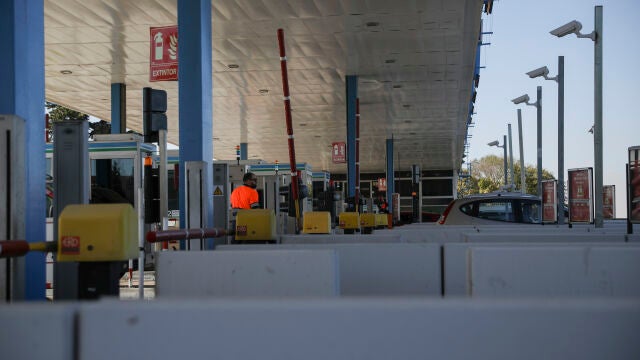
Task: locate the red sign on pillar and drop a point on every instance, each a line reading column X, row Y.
column 339, row 152
column 382, row 184
column 163, row 57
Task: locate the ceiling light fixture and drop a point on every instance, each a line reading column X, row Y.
column 390, row 61
column 233, row 66
column 263, row 91
column 66, row 72
column 372, row 23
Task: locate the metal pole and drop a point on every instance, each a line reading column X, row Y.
column 511, row 169
column 539, row 112
column 560, row 140
column 357, row 197
column 597, row 130
column 287, row 109
column 523, row 184
column 504, row 158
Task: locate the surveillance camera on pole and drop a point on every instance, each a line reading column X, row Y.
column 572, row 27
column 494, row 143
column 521, row 99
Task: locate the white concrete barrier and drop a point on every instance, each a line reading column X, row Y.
column 37, row 331
column 372, row 329
column 377, row 269
column 538, row 237
column 559, row 271
column 283, row 273
column 457, row 261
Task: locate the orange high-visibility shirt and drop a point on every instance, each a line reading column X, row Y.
column 243, row 196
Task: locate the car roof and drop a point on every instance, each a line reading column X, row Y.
column 502, row 194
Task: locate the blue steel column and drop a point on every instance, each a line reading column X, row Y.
column 194, row 72
column 244, row 147
column 22, row 89
column 352, row 94
column 118, row 108
column 390, row 174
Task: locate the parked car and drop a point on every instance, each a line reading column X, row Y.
column 493, row 208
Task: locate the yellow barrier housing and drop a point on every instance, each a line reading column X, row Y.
column 382, row 221
column 349, row 220
column 256, row 225
column 368, row 220
column 97, row 232
column 316, row 222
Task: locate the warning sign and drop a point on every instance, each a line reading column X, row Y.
column 217, row 191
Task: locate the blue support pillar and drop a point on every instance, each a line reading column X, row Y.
column 243, row 151
column 118, row 108
column 194, row 72
column 352, row 94
column 390, row 174
column 22, row 89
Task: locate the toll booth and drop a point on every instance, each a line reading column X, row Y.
column 116, row 176
column 273, row 186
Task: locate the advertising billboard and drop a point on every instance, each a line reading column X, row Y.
column 609, row 202
column 633, row 186
column 580, row 195
column 549, row 201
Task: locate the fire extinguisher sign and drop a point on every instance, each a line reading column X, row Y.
column 163, row 54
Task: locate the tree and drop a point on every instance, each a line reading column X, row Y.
column 487, row 175
column 60, row 113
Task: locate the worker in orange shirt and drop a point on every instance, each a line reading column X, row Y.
column 246, row 196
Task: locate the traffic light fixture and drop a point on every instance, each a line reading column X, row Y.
column 154, row 107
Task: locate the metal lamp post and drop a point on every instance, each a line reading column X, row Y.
column 544, row 72
column 523, row 183
column 524, row 99
column 574, row 27
column 496, row 143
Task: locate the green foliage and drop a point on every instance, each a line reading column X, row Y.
column 59, row 113
column 487, row 175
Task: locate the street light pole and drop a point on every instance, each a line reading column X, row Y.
column 539, row 113
column 504, row 147
column 496, row 143
column 574, row 27
column 512, row 184
column 523, row 184
column 560, row 78
column 597, row 130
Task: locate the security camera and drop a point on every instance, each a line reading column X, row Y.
column 543, row 71
column 493, row 143
column 521, row 99
column 566, row 29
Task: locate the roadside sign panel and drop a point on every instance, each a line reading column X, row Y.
column 549, row 201
column 339, row 152
column 580, row 195
column 609, row 201
column 163, row 55
column 633, row 186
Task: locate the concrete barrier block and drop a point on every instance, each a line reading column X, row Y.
column 378, row 269
column 187, row 274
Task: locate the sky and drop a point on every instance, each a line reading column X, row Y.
column 520, row 43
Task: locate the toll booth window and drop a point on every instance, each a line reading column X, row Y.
column 112, row 181
column 365, row 189
column 404, row 187
column 172, row 189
